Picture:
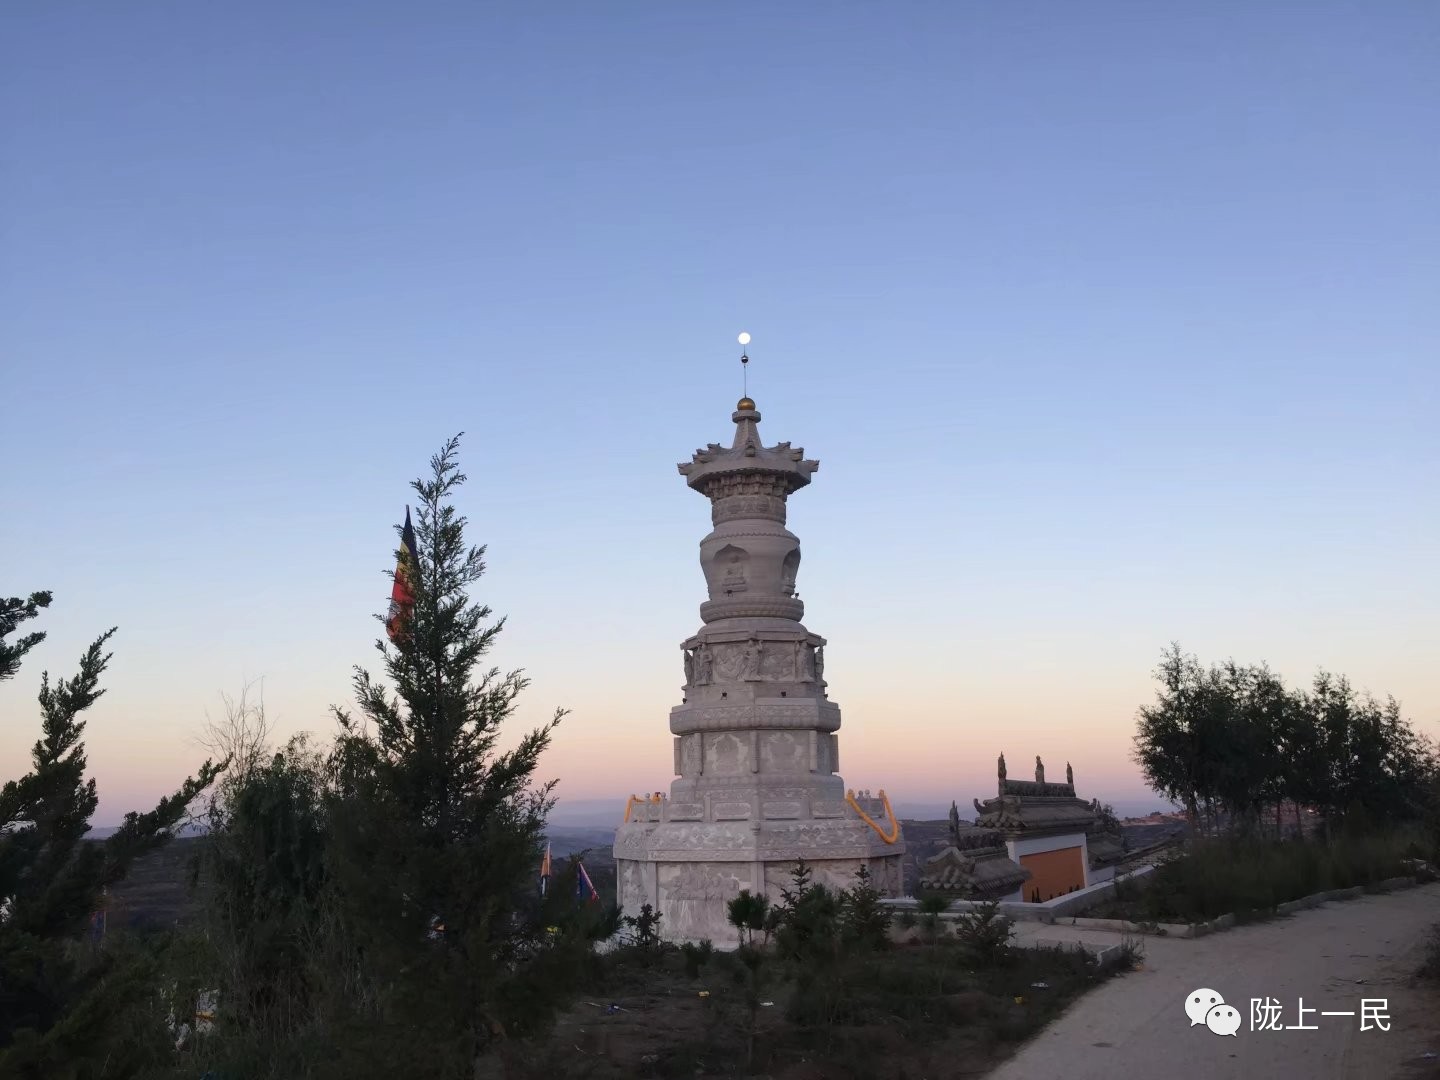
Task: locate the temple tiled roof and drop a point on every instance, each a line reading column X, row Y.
column 975, row 866
column 1105, row 849
column 1016, row 813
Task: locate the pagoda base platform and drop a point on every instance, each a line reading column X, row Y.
column 690, row 871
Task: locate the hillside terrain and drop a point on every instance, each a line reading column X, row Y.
column 159, row 891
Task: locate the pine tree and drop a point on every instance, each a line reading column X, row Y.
column 14, row 611
column 864, row 920
column 437, row 834
column 61, row 1006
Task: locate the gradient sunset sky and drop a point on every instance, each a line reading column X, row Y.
column 1110, row 324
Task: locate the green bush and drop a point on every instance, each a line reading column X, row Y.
column 696, row 956
column 984, row 934
column 864, row 920
column 931, row 908
column 643, row 933
column 1249, row 877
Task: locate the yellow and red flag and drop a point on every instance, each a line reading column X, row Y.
column 402, row 595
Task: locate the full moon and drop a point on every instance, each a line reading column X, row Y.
column 744, row 338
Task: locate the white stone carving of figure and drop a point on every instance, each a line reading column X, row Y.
column 689, row 668
column 1000, row 767
column 820, row 664
column 1039, row 770
column 751, row 669
column 1069, row 775
column 704, row 665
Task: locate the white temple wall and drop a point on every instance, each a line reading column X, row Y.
column 1036, row 844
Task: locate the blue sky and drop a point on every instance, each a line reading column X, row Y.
column 1111, row 324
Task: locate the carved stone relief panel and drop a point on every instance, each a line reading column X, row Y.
column 777, row 662
column 813, row 836
column 788, row 791
column 747, row 484
column 633, row 891
column 729, row 662
column 777, row 877
column 784, row 752
column 704, row 881
column 750, row 661
column 703, row 836
column 690, row 755
column 726, row 754
column 693, row 897
column 824, row 753
column 733, row 507
column 834, row 874
column 837, row 874
column 887, row 876
column 630, row 841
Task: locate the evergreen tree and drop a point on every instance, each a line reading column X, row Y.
column 437, row 835
column 263, row 863
column 864, row 920
column 807, row 932
column 63, row 1007
column 14, row 611
column 1232, row 738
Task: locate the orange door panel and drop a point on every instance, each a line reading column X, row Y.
column 1053, row 873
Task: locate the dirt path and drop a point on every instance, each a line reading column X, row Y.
column 1331, row 956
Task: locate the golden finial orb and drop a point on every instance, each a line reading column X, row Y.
column 745, row 404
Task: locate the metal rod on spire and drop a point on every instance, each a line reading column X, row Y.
column 744, row 340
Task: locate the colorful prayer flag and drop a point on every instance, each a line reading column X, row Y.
column 584, row 887
column 545, row 869
column 402, row 595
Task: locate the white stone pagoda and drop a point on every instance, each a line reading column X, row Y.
column 756, row 747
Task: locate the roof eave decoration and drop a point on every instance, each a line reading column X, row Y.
column 748, row 454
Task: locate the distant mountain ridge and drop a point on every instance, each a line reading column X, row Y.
column 592, row 814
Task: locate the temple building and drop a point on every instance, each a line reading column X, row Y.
column 975, row 866
column 1031, row 843
column 755, row 735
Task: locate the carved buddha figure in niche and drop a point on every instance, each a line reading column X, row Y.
column 733, row 580
column 788, row 570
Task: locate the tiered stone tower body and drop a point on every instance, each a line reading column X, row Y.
column 756, row 747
